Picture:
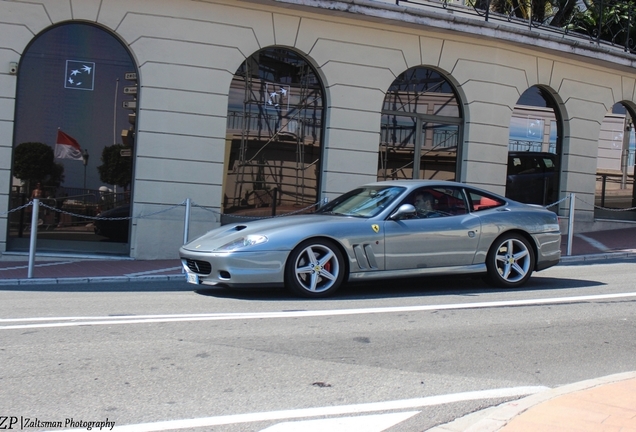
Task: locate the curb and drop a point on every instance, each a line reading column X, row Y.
column 100, row 279
column 495, row 418
column 597, row 256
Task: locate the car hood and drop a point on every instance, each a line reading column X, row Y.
column 283, row 233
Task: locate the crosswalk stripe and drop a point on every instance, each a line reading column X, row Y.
column 369, row 423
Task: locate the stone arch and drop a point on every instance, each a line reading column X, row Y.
column 72, row 79
column 275, row 134
column 421, row 127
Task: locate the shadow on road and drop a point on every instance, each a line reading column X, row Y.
column 411, row 287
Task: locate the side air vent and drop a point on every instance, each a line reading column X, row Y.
column 365, row 257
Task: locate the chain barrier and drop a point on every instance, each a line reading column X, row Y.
column 30, row 203
column 215, row 212
column 559, row 201
column 606, row 208
column 112, row 218
column 590, row 205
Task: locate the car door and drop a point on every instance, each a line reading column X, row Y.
column 450, row 240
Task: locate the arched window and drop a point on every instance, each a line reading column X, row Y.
column 421, row 128
column 615, row 166
column 534, row 149
column 274, row 133
column 72, row 124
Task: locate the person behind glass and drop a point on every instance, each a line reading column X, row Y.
column 37, row 192
column 424, row 205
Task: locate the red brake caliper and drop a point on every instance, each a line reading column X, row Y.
column 327, row 266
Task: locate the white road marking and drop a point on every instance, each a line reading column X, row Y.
column 597, row 244
column 371, row 423
column 53, row 322
column 149, row 272
column 37, row 265
column 328, row 411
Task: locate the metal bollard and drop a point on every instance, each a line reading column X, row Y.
column 34, row 235
column 571, row 223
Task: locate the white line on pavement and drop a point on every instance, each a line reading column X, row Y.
column 367, row 423
column 52, row 322
column 149, row 272
column 37, row 265
column 597, row 244
column 328, row 411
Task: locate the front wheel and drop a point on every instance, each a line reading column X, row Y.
column 510, row 261
column 315, row 268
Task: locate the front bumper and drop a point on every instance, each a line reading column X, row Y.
column 235, row 269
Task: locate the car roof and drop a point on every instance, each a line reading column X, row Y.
column 416, row 183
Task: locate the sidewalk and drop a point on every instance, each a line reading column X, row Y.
column 606, row 404
column 73, row 269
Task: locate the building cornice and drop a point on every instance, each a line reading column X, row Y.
column 460, row 20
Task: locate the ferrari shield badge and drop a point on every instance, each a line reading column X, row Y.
column 375, row 227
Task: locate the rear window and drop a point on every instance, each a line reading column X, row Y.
column 481, row 202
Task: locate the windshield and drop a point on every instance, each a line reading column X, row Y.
column 363, row 202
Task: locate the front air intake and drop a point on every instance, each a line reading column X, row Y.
column 199, row 267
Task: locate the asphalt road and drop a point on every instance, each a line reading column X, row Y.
column 400, row 355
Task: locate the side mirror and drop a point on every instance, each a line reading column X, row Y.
column 404, row 211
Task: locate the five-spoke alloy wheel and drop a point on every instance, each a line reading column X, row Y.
column 510, row 261
column 315, row 268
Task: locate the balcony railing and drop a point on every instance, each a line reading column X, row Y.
column 603, row 22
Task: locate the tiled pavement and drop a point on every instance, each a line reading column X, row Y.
column 46, row 269
column 606, row 404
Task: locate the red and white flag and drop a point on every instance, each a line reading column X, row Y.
column 66, row 147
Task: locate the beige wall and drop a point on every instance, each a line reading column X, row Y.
column 188, row 51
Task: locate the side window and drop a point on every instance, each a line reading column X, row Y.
column 549, row 164
column 438, row 202
column 481, row 202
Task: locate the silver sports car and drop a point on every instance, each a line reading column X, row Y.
column 381, row 230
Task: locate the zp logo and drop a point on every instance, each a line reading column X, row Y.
column 7, row 422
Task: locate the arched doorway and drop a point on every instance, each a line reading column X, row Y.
column 614, row 198
column 274, row 135
column 534, row 149
column 73, row 140
column 421, row 128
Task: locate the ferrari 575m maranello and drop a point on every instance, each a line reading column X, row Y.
column 381, row 230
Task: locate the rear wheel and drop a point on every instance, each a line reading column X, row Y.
column 510, row 261
column 315, row 268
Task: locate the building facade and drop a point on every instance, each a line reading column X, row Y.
column 245, row 106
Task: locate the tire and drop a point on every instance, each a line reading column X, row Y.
column 510, row 261
column 315, row 268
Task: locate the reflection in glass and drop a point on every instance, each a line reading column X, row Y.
column 274, row 135
column 70, row 92
column 615, row 198
column 420, row 129
column 534, row 145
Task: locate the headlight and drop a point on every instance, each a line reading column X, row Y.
column 242, row 242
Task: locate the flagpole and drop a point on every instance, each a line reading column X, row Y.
column 115, row 113
column 85, row 160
